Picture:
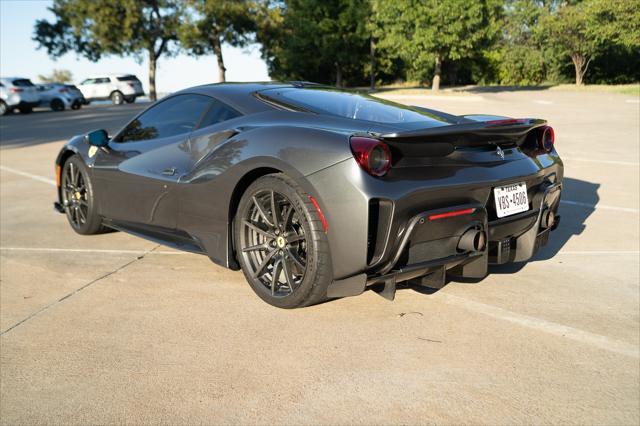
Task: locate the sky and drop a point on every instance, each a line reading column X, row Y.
column 19, row 56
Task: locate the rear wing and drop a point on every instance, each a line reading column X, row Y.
column 468, row 132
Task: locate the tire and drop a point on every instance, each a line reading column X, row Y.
column 57, row 105
column 117, row 98
column 78, row 198
column 76, row 105
column 299, row 253
column 130, row 99
column 4, row 110
column 25, row 110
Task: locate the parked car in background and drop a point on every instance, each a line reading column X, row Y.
column 17, row 93
column 117, row 87
column 59, row 96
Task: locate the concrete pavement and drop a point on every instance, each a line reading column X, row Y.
column 115, row 329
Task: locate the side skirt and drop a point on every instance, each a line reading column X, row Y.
column 168, row 237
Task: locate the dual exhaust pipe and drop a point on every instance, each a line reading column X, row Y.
column 476, row 239
column 473, row 240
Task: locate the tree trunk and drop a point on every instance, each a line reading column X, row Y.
column 435, row 84
column 372, row 55
column 216, row 45
column 581, row 64
column 152, row 75
column 338, row 75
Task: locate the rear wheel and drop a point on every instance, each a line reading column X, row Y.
column 78, row 198
column 76, row 105
column 280, row 243
column 57, row 105
column 117, row 98
column 3, row 108
column 130, row 99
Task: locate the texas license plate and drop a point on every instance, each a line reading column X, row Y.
column 511, row 199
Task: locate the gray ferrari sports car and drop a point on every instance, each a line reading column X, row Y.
column 316, row 192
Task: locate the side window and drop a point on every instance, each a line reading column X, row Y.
column 217, row 113
column 174, row 116
column 88, row 81
column 102, row 80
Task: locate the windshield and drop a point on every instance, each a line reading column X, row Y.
column 348, row 105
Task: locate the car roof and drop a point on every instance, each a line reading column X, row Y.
column 239, row 95
column 15, row 78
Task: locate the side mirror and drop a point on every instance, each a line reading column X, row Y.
column 99, row 138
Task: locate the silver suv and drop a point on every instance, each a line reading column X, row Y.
column 17, row 93
column 117, row 87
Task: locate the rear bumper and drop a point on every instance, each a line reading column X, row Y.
column 372, row 231
column 512, row 240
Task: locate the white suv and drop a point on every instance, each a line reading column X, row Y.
column 17, row 93
column 117, row 87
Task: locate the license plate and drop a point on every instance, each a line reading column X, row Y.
column 511, row 199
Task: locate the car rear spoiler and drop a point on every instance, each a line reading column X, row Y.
column 469, row 132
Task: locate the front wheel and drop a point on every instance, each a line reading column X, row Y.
column 280, row 243
column 117, row 98
column 130, row 99
column 78, row 198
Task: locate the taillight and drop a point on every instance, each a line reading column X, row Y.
column 63, row 90
column 15, row 90
column 372, row 155
column 546, row 138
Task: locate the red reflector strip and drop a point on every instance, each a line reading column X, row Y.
column 325, row 225
column 451, row 214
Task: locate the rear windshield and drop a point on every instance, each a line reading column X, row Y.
column 22, row 82
column 128, row 78
column 347, row 104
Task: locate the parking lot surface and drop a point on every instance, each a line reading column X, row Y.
column 113, row 328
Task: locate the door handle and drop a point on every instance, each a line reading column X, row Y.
column 169, row 172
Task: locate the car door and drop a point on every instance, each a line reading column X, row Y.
column 136, row 174
column 87, row 88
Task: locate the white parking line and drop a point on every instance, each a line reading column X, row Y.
column 103, row 251
column 596, row 340
column 599, row 206
column 29, row 175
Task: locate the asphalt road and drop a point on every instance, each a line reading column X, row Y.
column 114, row 329
column 44, row 125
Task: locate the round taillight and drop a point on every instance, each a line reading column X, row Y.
column 372, row 155
column 546, row 138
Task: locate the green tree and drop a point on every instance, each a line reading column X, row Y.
column 57, row 76
column 210, row 23
column 104, row 27
column 583, row 30
column 427, row 32
column 320, row 40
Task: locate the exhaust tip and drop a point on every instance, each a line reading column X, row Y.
column 547, row 219
column 473, row 240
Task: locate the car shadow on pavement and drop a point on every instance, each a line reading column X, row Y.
column 573, row 218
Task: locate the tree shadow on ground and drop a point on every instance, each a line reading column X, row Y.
column 500, row 89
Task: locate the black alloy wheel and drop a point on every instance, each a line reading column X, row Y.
column 77, row 198
column 280, row 243
column 273, row 243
